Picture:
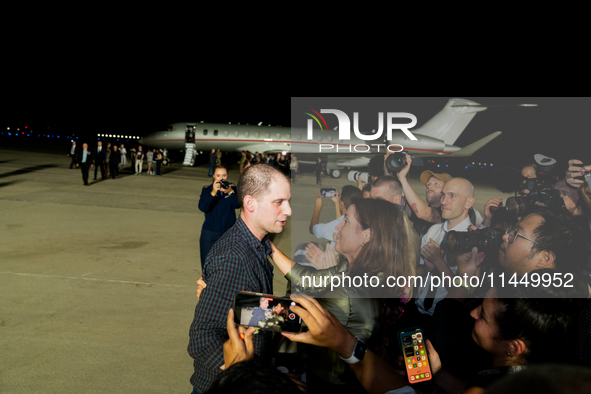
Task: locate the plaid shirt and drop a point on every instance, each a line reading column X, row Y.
column 237, row 262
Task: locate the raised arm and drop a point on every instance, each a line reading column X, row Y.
column 420, row 207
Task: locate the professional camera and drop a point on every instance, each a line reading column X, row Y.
column 486, row 240
column 354, row 176
column 518, row 205
column 224, row 184
column 545, row 177
column 396, row 162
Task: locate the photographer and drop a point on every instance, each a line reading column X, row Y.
column 219, row 202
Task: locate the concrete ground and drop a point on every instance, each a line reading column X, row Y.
column 98, row 283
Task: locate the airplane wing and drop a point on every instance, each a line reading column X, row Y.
column 469, row 150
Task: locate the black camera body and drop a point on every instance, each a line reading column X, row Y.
column 549, row 197
column 396, row 162
column 486, row 240
column 224, row 184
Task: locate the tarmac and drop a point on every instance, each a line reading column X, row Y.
column 98, row 283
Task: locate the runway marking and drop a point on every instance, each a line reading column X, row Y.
column 93, row 279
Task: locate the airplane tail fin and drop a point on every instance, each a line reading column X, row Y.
column 450, row 122
column 469, row 150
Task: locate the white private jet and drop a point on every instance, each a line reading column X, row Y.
column 435, row 138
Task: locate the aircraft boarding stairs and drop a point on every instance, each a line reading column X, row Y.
column 190, row 154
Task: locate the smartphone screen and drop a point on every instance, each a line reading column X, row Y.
column 266, row 312
column 328, row 192
column 415, row 354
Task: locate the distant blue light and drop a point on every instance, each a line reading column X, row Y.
column 466, row 167
column 76, row 137
column 38, row 135
column 9, row 134
column 446, row 165
column 58, row 136
column 28, row 135
column 117, row 139
column 437, row 165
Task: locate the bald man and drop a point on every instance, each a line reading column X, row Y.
column 457, row 197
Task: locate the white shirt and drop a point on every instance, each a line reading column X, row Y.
column 326, row 230
column 436, row 233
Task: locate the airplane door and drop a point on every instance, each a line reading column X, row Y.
column 190, row 134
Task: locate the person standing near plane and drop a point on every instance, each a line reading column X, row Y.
column 293, row 166
column 72, row 154
column 219, row 205
column 99, row 159
column 139, row 160
column 158, row 160
column 318, row 171
column 107, row 158
column 114, row 161
column 212, row 159
column 84, row 162
column 150, row 159
column 123, row 153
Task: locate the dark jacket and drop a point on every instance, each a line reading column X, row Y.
column 219, row 211
column 99, row 157
column 115, row 159
column 79, row 155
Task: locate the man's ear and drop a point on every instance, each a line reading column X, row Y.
column 398, row 199
column 546, row 259
column 517, row 347
column 250, row 203
column 469, row 202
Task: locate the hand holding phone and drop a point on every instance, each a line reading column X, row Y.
column 266, row 312
column 416, row 356
column 328, row 192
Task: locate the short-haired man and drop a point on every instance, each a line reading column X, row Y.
column 100, row 155
column 543, row 239
column 238, row 262
column 457, row 197
column 259, row 312
column 387, row 188
column 84, row 161
column 72, row 154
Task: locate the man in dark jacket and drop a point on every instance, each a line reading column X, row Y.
column 84, row 161
column 100, row 154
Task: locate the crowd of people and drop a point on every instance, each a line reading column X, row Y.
column 112, row 159
column 519, row 298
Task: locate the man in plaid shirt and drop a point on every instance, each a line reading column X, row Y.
column 238, row 262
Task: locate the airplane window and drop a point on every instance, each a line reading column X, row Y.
column 289, row 136
column 235, row 134
column 278, row 136
column 299, row 137
column 319, row 138
column 258, row 135
column 215, row 133
column 204, row 131
column 226, row 133
column 268, row 135
column 246, row 134
column 330, row 138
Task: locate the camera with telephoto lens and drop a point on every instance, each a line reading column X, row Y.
column 224, row 184
column 354, row 176
column 396, row 162
column 548, row 197
column 486, row 240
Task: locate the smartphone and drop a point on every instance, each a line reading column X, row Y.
column 416, row 356
column 328, row 192
column 267, row 312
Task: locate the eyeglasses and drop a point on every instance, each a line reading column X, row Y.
column 513, row 234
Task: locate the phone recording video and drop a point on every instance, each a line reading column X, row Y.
column 266, row 312
column 328, row 192
column 416, row 357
